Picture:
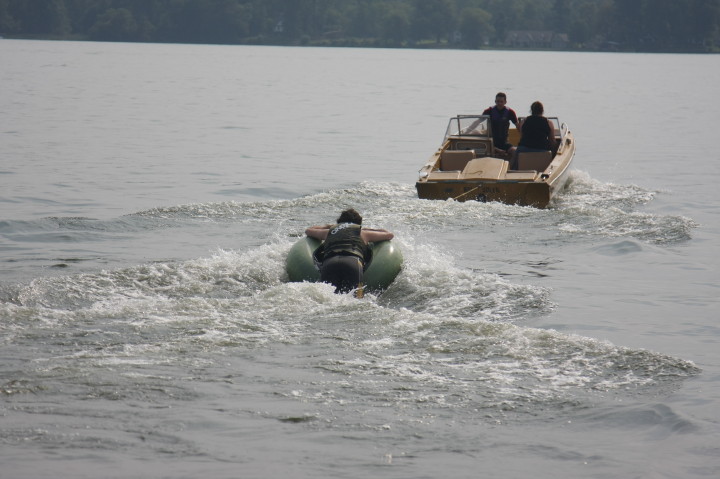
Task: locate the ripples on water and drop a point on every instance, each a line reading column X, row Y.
column 443, row 337
column 166, row 342
column 590, row 207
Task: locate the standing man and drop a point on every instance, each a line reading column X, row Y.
column 500, row 118
column 346, row 247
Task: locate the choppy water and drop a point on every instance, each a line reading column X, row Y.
column 150, row 194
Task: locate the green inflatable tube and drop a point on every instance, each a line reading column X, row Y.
column 385, row 265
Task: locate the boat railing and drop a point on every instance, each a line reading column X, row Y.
column 564, row 130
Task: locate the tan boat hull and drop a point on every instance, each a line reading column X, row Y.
column 537, row 194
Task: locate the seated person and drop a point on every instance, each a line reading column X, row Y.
column 537, row 133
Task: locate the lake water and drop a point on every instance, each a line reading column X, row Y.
column 150, row 193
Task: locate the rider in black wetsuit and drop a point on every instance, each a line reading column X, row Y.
column 345, row 250
column 344, row 257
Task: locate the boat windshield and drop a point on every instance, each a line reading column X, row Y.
column 555, row 122
column 469, row 125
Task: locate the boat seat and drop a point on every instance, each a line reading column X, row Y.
column 535, row 160
column 455, row 160
column 480, row 147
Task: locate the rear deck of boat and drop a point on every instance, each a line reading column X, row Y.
column 463, row 164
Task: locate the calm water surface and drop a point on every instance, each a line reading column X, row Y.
column 150, row 193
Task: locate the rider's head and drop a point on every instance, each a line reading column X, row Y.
column 350, row 216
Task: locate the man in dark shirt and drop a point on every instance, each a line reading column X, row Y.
column 500, row 118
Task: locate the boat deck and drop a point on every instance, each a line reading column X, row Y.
column 458, row 165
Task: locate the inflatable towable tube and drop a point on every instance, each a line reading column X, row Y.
column 383, row 268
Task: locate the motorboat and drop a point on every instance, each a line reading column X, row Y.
column 467, row 166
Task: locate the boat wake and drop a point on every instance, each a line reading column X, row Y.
column 443, row 337
column 586, row 207
column 440, row 337
column 595, row 209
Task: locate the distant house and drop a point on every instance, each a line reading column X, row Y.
column 536, row 39
column 456, row 36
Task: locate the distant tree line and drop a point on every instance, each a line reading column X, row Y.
column 626, row 25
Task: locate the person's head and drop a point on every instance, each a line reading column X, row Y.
column 350, row 216
column 537, row 108
column 500, row 100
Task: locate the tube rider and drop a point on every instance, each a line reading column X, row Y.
column 345, row 250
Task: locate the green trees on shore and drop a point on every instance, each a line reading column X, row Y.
column 627, row 25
